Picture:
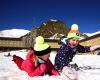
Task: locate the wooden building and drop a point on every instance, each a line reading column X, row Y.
column 27, row 41
column 90, row 41
column 7, row 43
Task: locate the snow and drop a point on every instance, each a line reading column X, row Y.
column 44, row 23
column 54, row 36
column 53, row 20
column 91, row 34
column 9, row 71
column 13, row 33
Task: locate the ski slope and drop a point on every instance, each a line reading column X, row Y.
column 9, row 71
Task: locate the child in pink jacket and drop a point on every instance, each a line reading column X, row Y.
column 37, row 61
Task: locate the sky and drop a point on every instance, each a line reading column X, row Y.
column 25, row 14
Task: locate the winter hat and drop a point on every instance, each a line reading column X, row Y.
column 74, row 32
column 41, row 48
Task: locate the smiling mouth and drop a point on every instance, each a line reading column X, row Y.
column 73, row 44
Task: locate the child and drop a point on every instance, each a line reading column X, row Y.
column 37, row 61
column 67, row 51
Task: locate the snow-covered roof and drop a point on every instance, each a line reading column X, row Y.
column 13, row 33
column 92, row 34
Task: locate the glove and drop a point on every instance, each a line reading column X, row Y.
column 41, row 61
column 64, row 40
column 92, row 48
column 70, row 73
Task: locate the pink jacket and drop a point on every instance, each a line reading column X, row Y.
column 28, row 66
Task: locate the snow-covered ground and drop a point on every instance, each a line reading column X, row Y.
column 9, row 71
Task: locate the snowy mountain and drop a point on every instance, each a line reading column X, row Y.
column 51, row 27
column 14, row 33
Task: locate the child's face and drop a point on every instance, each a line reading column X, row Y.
column 73, row 42
column 45, row 57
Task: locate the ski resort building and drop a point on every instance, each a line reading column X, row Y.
column 25, row 42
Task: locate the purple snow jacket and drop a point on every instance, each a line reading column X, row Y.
column 65, row 54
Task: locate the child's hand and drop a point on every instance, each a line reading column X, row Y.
column 92, row 48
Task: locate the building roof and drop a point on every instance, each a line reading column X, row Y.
column 91, row 37
column 9, row 38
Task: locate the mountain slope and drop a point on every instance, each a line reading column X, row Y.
column 51, row 27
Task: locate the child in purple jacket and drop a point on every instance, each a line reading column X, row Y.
column 67, row 51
